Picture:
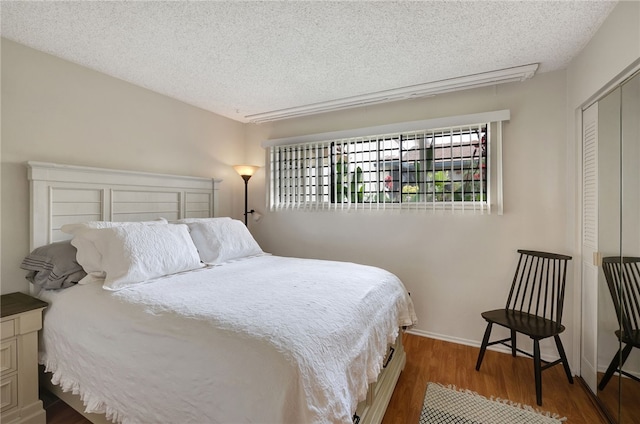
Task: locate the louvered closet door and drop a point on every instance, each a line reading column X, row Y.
column 589, row 348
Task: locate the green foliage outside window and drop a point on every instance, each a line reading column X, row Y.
column 348, row 185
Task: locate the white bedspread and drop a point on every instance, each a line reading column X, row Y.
column 263, row 340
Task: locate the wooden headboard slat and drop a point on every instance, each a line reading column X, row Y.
column 62, row 194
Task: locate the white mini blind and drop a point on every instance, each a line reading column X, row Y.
column 440, row 169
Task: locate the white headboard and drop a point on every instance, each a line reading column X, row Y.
column 62, row 194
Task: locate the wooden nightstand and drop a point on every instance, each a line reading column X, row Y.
column 21, row 319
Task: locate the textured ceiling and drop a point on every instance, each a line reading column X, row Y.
column 242, row 58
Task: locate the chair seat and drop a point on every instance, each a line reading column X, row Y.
column 522, row 322
column 632, row 339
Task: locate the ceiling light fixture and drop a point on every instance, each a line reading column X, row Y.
column 519, row 73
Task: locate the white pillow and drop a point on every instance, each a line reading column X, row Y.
column 92, row 279
column 223, row 240
column 93, row 225
column 194, row 220
column 87, row 255
column 136, row 253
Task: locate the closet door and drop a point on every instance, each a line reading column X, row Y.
column 609, row 206
column 629, row 388
column 589, row 349
column 610, row 227
column 618, row 220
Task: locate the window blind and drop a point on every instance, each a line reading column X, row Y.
column 441, row 169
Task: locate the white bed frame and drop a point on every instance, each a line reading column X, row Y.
column 62, row 194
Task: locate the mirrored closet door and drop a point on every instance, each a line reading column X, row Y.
column 618, row 241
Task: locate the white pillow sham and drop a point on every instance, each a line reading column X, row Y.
column 195, row 220
column 223, row 240
column 94, row 225
column 87, row 255
column 136, row 253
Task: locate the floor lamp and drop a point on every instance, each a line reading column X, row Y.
column 246, row 171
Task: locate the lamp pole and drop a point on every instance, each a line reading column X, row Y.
column 246, row 197
column 246, row 171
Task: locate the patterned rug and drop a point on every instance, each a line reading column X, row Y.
column 444, row 405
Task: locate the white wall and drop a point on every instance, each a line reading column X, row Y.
column 455, row 266
column 614, row 47
column 56, row 111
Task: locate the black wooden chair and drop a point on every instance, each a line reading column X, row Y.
column 623, row 278
column 534, row 307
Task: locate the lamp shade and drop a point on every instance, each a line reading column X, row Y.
column 247, row 170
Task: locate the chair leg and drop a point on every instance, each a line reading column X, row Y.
column 537, row 369
column 483, row 347
column 625, row 354
column 563, row 357
column 513, row 343
column 613, row 366
column 616, row 362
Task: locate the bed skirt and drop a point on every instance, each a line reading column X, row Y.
column 369, row 411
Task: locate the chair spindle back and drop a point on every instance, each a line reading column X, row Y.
column 539, row 284
column 623, row 278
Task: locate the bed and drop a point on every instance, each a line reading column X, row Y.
column 201, row 325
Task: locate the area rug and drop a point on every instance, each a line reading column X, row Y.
column 452, row 405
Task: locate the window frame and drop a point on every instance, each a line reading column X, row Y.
column 492, row 204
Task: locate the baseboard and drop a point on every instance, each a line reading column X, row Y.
column 475, row 343
column 451, row 339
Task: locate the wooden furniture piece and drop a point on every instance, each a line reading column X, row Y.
column 534, row 308
column 372, row 409
column 63, row 194
column 21, row 320
column 623, row 279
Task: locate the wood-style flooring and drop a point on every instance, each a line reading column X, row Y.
column 59, row 412
column 448, row 363
column 501, row 376
column 625, row 408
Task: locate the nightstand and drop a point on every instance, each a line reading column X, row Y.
column 21, row 319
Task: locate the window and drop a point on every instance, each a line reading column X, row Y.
column 448, row 168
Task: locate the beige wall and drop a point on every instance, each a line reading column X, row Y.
column 455, row 266
column 56, row 111
column 613, row 48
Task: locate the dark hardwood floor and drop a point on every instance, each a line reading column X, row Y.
column 449, row 363
column 59, row 412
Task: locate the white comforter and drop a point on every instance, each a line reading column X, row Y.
column 263, row 340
